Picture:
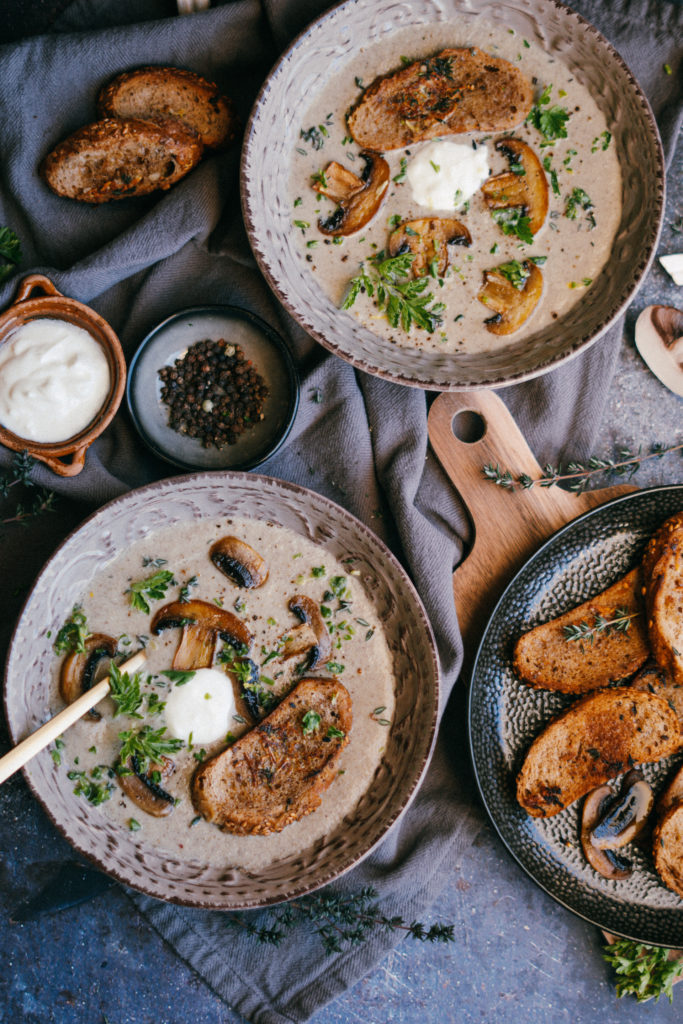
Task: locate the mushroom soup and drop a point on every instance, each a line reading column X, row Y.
column 301, row 613
column 493, row 256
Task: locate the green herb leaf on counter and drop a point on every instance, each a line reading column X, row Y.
column 401, row 297
column 645, row 972
column 147, row 744
column 124, row 690
column 513, row 221
column 73, row 634
column 153, row 588
column 310, row 723
column 177, row 676
column 10, row 252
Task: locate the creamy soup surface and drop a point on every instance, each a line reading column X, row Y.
column 360, row 659
column 571, row 249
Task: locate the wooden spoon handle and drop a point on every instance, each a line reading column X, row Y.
column 38, row 740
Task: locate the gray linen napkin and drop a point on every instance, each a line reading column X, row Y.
column 365, row 445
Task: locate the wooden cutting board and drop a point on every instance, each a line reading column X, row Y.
column 507, row 527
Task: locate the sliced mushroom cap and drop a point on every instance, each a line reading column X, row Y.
column 144, row 791
column 512, row 306
column 605, row 862
column 306, row 609
column 626, row 817
column 659, row 339
column 77, row 673
column 239, row 562
column 202, row 623
column 428, row 239
column 528, row 188
column 354, row 212
column 298, row 641
column 337, row 182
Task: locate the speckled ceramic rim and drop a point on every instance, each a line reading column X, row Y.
column 292, row 380
column 306, row 317
column 480, row 769
column 415, row 769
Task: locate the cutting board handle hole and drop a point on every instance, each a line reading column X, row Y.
column 468, row 426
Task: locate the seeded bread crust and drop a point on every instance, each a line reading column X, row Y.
column 545, row 659
column 663, row 588
column 151, row 93
column 454, row 91
column 276, row 773
column 656, row 680
column 672, row 794
column 115, row 159
column 590, row 743
column 667, row 848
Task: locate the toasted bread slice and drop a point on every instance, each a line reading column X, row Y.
column 663, row 585
column 655, row 680
column 590, row 743
column 153, row 93
column 115, row 159
column 667, row 848
column 672, row 794
column 277, row 773
column 454, row 91
column 545, row 658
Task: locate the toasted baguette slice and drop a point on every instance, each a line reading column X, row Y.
column 454, row 91
column 672, row 794
column 663, row 584
column 667, row 848
column 655, row 680
column 546, row 659
column 153, row 93
column 114, row 159
column 590, row 743
column 277, row 773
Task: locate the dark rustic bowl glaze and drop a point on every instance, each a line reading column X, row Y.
column 53, row 305
column 125, row 855
column 505, row 716
column 323, row 50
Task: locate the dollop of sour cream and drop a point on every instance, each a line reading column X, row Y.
column 444, row 175
column 54, row 379
column 202, row 707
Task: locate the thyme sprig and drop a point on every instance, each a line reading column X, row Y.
column 645, row 972
column 19, row 475
column 340, row 920
column 396, row 293
column 619, row 623
column 579, row 474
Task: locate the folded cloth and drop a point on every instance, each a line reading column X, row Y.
column 364, row 445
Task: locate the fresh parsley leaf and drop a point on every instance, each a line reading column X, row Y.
column 512, row 221
column 178, row 677
column 550, row 122
column 124, row 690
column 73, row 634
column 401, row 297
column 577, row 200
column 335, row 734
column 10, row 252
column 515, row 272
column 310, row 723
column 645, row 972
column 399, row 178
column 153, row 588
column 95, row 792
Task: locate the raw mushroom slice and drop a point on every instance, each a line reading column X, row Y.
column 605, row 862
column 626, row 817
column 659, row 339
column 202, row 623
column 673, row 264
column 511, row 306
column 337, row 183
column 77, row 673
column 239, row 562
column 149, row 795
column 428, row 239
column 354, row 212
column 306, row 609
column 528, row 188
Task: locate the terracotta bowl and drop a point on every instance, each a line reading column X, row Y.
column 53, row 305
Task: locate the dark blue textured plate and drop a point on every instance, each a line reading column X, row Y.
column 580, row 560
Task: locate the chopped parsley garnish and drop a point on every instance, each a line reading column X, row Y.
column 94, row 791
column 73, row 634
column 10, row 252
column 184, row 595
column 399, row 178
column 320, row 178
column 394, row 220
column 177, row 676
column 155, row 706
column 553, row 176
column 153, row 588
column 134, row 825
column 335, row 666
column 310, row 723
column 435, row 167
column 334, row 733
column 515, row 272
column 512, row 221
column 401, row 297
column 576, row 201
column 551, row 122
column 124, row 690
column 601, row 141
column 152, row 563
column 302, row 225
column 315, row 136
column 318, row 571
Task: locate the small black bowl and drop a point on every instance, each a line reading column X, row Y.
column 168, row 342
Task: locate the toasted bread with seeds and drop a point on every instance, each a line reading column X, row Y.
column 546, row 659
column 663, row 587
column 454, row 91
column 152, row 93
column 276, row 773
column 667, row 848
column 590, row 743
column 115, row 159
column 656, row 680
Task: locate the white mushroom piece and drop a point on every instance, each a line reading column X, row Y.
column 659, row 339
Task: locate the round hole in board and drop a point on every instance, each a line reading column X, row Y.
column 468, row 426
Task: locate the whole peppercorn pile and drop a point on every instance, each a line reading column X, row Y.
column 213, row 393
